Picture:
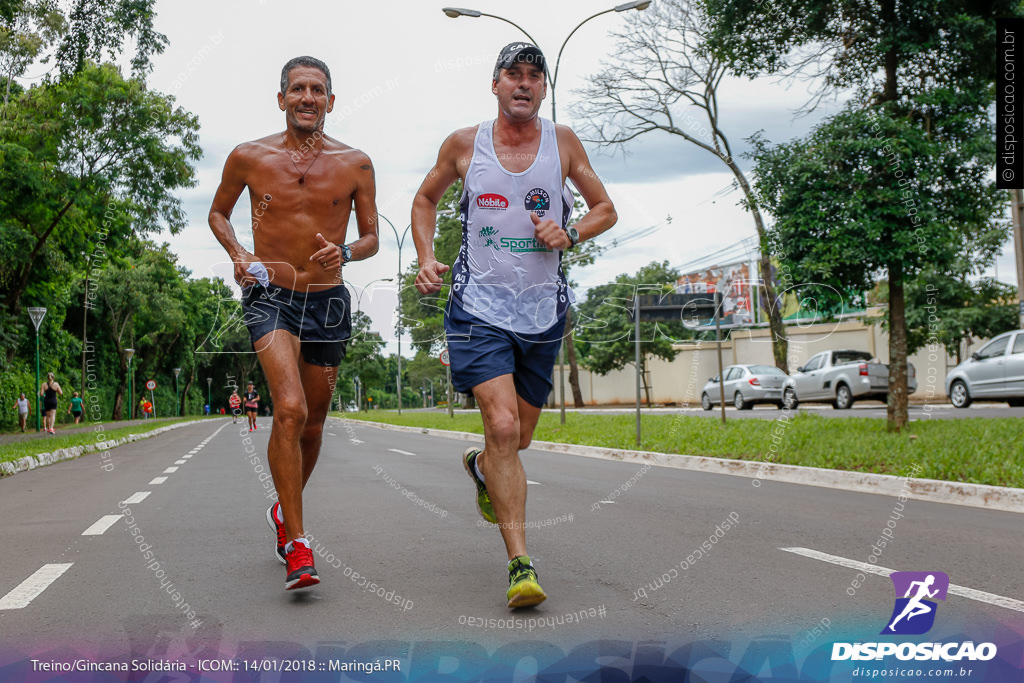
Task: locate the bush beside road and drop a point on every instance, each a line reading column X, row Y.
column 973, row 450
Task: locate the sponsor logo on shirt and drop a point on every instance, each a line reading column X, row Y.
column 522, row 245
column 538, row 201
column 491, row 201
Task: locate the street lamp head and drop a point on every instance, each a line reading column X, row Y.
column 177, row 371
column 209, row 381
column 636, row 4
column 37, row 313
column 456, row 12
column 128, row 354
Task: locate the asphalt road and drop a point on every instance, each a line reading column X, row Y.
column 612, row 541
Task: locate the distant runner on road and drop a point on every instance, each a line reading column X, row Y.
column 252, row 405
column 506, row 312
column 303, row 186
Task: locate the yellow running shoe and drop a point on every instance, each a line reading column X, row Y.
column 523, row 589
column 483, row 501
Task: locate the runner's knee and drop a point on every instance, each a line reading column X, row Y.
column 290, row 413
column 503, row 430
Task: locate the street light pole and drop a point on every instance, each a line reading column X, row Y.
column 209, row 395
column 359, row 296
column 400, row 241
column 456, row 12
column 37, row 313
column 130, row 353
column 177, row 401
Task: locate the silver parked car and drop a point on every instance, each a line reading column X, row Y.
column 745, row 385
column 994, row 372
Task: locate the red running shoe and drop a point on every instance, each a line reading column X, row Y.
column 273, row 512
column 301, row 573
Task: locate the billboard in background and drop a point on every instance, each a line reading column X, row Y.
column 735, row 281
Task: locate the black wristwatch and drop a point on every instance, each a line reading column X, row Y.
column 574, row 236
column 346, row 253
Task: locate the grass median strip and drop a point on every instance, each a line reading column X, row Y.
column 88, row 437
column 974, row 450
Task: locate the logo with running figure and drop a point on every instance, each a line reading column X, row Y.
column 538, row 201
column 487, row 234
column 914, row 612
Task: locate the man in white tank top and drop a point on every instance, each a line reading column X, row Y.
column 506, row 310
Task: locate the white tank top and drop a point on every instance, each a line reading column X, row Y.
column 503, row 275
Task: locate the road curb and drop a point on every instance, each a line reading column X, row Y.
column 1002, row 498
column 30, row 462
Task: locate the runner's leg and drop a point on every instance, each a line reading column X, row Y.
column 278, row 352
column 318, row 387
column 499, row 463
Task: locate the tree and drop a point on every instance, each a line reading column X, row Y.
column 85, row 164
column 605, row 331
column 666, row 78
column 899, row 179
column 951, row 309
column 98, row 29
column 27, row 32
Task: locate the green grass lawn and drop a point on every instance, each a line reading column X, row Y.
column 110, row 432
column 976, row 450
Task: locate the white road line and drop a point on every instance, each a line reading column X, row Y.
column 535, row 483
column 180, row 462
column 954, row 589
column 186, row 457
column 170, row 470
column 157, row 480
column 137, row 497
column 104, row 523
column 400, row 451
column 332, row 433
column 29, row 589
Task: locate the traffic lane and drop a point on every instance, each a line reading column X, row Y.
column 641, row 528
column 47, row 509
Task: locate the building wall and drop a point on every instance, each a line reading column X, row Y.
column 680, row 381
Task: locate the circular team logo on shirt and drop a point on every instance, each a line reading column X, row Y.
column 538, row 201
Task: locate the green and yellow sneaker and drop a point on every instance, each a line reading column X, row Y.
column 523, row 589
column 483, row 501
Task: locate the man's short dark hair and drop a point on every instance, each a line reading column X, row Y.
column 304, row 61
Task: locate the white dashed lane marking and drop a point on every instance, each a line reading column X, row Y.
column 30, row 589
column 180, row 462
column 400, row 451
column 157, row 480
column 962, row 591
column 101, row 525
column 170, row 470
column 137, row 497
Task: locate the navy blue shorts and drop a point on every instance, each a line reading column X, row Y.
column 480, row 351
column 321, row 320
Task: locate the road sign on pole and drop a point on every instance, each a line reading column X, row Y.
column 151, row 385
column 445, row 360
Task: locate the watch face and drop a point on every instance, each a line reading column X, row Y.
column 574, row 235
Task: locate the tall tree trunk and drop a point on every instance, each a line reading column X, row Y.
column 896, row 409
column 570, row 352
column 780, row 343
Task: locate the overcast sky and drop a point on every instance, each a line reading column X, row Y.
column 405, row 76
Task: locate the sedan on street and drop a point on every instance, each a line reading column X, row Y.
column 745, row 386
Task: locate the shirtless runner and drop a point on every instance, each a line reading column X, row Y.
column 302, row 187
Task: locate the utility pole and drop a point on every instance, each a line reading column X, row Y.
column 1018, row 244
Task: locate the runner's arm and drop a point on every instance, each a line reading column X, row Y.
column 424, row 210
column 601, row 215
column 232, row 183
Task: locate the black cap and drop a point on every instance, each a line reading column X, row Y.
column 519, row 52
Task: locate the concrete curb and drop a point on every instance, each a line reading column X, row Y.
column 30, row 462
column 1001, row 498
